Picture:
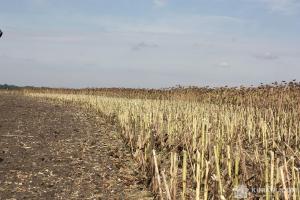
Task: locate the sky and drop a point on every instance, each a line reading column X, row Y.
column 149, row 43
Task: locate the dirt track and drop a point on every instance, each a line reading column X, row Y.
column 52, row 151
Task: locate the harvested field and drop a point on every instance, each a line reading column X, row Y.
column 199, row 143
column 54, row 151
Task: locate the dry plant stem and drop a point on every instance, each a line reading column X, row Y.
column 206, row 180
column 157, row 175
column 293, row 179
column 184, row 174
column 236, row 171
column 286, row 169
column 173, row 173
column 285, row 192
column 216, row 152
column 229, row 161
column 278, row 178
column 272, row 173
column 166, row 185
column 198, row 177
column 267, row 177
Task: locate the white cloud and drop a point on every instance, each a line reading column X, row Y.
column 266, row 56
column 160, row 3
column 283, row 6
column 143, row 45
column 224, row 65
column 177, row 24
column 38, row 2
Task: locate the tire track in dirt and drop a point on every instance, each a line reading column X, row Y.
column 50, row 151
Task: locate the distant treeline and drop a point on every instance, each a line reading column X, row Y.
column 7, row 87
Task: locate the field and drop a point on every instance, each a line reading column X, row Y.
column 52, row 151
column 199, row 143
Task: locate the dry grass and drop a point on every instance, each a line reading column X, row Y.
column 206, row 141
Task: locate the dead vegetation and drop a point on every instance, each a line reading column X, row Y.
column 202, row 143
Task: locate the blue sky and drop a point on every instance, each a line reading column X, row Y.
column 148, row 43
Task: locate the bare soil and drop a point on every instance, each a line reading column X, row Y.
column 53, row 151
